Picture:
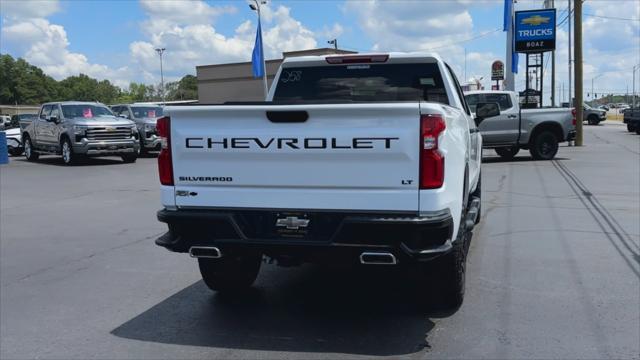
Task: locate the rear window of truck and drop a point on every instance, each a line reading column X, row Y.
column 503, row 100
column 362, row 83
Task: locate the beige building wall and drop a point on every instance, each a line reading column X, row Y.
column 235, row 82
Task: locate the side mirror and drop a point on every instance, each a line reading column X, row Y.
column 53, row 119
column 124, row 116
column 486, row 110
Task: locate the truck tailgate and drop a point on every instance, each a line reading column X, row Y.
column 347, row 156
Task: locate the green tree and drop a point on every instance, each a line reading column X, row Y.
column 184, row 89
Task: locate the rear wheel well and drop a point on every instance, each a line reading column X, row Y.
column 554, row 128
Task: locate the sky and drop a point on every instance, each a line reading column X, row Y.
column 115, row 39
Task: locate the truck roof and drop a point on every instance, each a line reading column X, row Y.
column 489, row 92
column 74, row 103
column 394, row 57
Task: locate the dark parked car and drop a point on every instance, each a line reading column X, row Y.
column 632, row 119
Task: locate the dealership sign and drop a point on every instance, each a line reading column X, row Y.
column 535, row 30
column 497, row 70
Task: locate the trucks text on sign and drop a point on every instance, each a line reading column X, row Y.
column 535, row 30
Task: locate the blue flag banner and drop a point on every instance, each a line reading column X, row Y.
column 257, row 58
column 506, row 24
column 508, row 10
column 4, row 155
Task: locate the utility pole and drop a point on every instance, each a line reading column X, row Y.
column 569, row 52
column 550, row 5
column 577, row 6
column 160, row 51
column 256, row 7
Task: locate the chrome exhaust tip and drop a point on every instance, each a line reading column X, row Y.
column 378, row 258
column 205, row 252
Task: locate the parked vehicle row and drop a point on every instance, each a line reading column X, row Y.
column 538, row 130
column 77, row 130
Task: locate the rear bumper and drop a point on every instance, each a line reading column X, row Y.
column 331, row 237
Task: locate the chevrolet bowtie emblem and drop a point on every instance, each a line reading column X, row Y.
column 292, row 223
column 110, row 129
column 536, row 20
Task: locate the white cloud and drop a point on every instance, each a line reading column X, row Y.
column 442, row 27
column 46, row 45
column 180, row 11
column 192, row 42
column 20, row 9
column 332, row 32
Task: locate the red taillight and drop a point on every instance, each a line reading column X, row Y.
column 573, row 113
column 165, row 164
column 358, row 59
column 431, row 160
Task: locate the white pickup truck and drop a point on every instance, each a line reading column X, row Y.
column 359, row 159
column 537, row 130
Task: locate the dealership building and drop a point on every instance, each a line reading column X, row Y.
column 235, row 82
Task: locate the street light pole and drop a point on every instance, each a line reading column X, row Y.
column 160, row 51
column 634, row 84
column 256, row 6
column 593, row 78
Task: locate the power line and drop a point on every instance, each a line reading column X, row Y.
column 611, row 17
column 467, row 40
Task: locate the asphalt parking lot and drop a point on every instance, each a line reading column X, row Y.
column 553, row 272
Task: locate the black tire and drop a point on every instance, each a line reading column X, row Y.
column 142, row 150
column 29, row 152
column 544, row 146
column 447, row 276
column 69, row 157
column 638, row 130
column 507, row 152
column 129, row 158
column 631, row 128
column 231, row 273
column 593, row 120
column 15, row 151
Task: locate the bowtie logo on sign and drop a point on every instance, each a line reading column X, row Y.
column 535, row 30
column 536, row 20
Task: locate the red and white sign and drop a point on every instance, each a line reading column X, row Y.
column 497, row 70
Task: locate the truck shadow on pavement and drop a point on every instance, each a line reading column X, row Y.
column 366, row 312
column 57, row 161
column 497, row 159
